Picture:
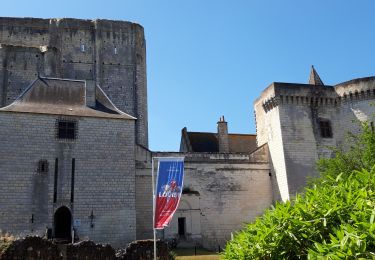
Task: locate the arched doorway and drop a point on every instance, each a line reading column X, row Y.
column 63, row 224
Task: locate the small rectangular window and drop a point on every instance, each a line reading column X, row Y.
column 325, row 129
column 66, row 129
column 82, row 47
column 43, row 166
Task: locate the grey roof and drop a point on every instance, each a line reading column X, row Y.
column 208, row 142
column 314, row 78
column 63, row 97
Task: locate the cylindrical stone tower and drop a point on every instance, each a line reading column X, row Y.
column 111, row 54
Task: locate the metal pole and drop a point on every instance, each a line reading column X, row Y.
column 153, row 206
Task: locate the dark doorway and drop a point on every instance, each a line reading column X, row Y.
column 63, row 224
column 181, row 227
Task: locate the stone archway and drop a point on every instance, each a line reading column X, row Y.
column 63, row 224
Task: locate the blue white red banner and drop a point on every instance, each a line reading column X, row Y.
column 168, row 190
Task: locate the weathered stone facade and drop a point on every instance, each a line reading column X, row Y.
column 111, row 54
column 60, row 73
column 221, row 192
column 90, row 175
column 288, row 119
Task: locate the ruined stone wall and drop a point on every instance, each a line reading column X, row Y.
column 222, row 192
column 292, row 112
column 104, row 181
column 111, row 53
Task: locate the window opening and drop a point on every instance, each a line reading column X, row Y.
column 66, row 129
column 325, row 129
column 43, row 166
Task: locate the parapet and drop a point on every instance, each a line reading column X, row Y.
column 317, row 95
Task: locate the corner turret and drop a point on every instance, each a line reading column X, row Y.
column 314, row 77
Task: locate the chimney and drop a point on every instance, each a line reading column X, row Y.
column 90, row 93
column 222, row 135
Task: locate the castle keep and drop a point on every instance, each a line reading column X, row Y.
column 111, row 54
column 74, row 139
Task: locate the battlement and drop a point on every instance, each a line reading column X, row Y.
column 66, row 23
column 299, row 122
column 313, row 95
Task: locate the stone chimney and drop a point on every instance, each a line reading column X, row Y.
column 222, row 135
column 90, row 93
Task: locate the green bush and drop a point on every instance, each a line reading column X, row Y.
column 332, row 219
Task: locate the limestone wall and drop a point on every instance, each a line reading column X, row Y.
column 268, row 126
column 112, row 53
column 103, row 183
column 288, row 116
column 222, row 192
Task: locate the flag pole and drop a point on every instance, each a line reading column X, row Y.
column 153, row 206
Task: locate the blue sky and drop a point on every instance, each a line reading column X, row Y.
column 210, row 58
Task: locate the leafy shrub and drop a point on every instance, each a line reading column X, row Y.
column 333, row 219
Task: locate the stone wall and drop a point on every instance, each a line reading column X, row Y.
column 144, row 249
column 30, row 248
column 111, row 53
column 222, row 192
column 89, row 250
column 37, row 248
column 288, row 116
column 104, row 176
column 268, row 126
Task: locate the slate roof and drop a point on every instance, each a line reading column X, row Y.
column 242, row 143
column 63, row 97
column 208, row 142
column 314, row 78
column 203, row 142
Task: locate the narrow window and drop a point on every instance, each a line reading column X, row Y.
column 55, row 180
column 66, row 129
column 43, row 166
column 325, row 129
column 82, row 47
column 72, row 180
column 115, row 50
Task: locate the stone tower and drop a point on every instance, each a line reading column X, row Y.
column 299, row 122
column 111, row 54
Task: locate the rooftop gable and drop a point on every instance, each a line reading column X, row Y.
column 63, row 97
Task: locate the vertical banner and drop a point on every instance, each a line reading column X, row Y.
column 168, row 190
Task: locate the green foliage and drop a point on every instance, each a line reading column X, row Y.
column 333, row 219
column 359, row 155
